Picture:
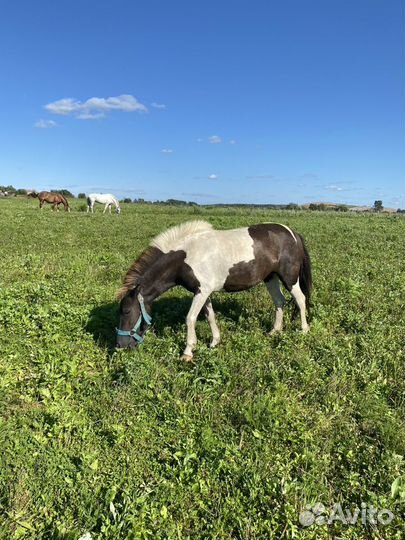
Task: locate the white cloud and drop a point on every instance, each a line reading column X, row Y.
column 95, row 107
column 90, row 116
column 167, row 151
column 45, row 124
column 213, row 177
column 158, row 105
column 214, row 139
column 333, row 187
column 232, row 141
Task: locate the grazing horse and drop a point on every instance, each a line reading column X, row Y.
column 205, row 260
column 52, row 198
column 102, row 198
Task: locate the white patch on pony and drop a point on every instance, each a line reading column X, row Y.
column 212, row 254
column 173, row 238
column 202, row 245
column 300, row 299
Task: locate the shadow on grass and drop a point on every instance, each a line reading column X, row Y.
column 101, row 324
column 166, row 312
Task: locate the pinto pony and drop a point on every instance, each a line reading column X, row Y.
column 205, row 260
column 103, row 198
column 52, row 198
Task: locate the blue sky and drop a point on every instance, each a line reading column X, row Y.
column 214, row 101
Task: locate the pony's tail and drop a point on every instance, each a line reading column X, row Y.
column 305, row 273
column 88, row 201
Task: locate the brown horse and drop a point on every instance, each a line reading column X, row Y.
column 50, row 197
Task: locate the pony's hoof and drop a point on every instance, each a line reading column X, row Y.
column 275, row 331
column 305, row 330
column 186, row 358
column 214, row 343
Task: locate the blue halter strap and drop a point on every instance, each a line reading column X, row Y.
column 143, row 315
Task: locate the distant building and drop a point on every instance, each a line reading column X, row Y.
column 322, row 204
column 360, row 209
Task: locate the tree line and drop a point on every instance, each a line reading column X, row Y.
column 377, row 206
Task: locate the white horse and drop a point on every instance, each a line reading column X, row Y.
column 102, row 198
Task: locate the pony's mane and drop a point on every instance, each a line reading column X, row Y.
column 171, row 238
column 164, row 241
column 136, row 270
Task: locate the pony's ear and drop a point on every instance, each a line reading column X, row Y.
column 123, row 291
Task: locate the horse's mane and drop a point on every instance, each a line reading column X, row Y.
column 163, row 242
column 173, row 237
column 136, row 270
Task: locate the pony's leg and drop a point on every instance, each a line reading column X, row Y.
column 273, row 286
column 196, row 306
column 299, row 297
column 41, row 204
column 109, row 208
column 210, row 315
column 105, row 208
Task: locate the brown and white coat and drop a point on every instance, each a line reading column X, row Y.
column 205, row 260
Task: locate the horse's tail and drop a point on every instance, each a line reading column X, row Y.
column 88, row 201
column 305, row 272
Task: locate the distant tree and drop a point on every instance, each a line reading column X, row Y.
column 127, row 200
column 7, row 188
column 81, row 196
column 175, row 202
column 291, row 206
column 378, row 206
column 21, row 192
column 65, row 193
column 341, row 208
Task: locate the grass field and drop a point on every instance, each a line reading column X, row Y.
column 139, row 445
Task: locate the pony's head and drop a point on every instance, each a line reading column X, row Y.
column 134, row 308
column 134, row 319
column 118, row 209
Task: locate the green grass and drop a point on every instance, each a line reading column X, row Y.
column 138, row 445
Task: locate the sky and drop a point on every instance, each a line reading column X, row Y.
column 207, row 101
